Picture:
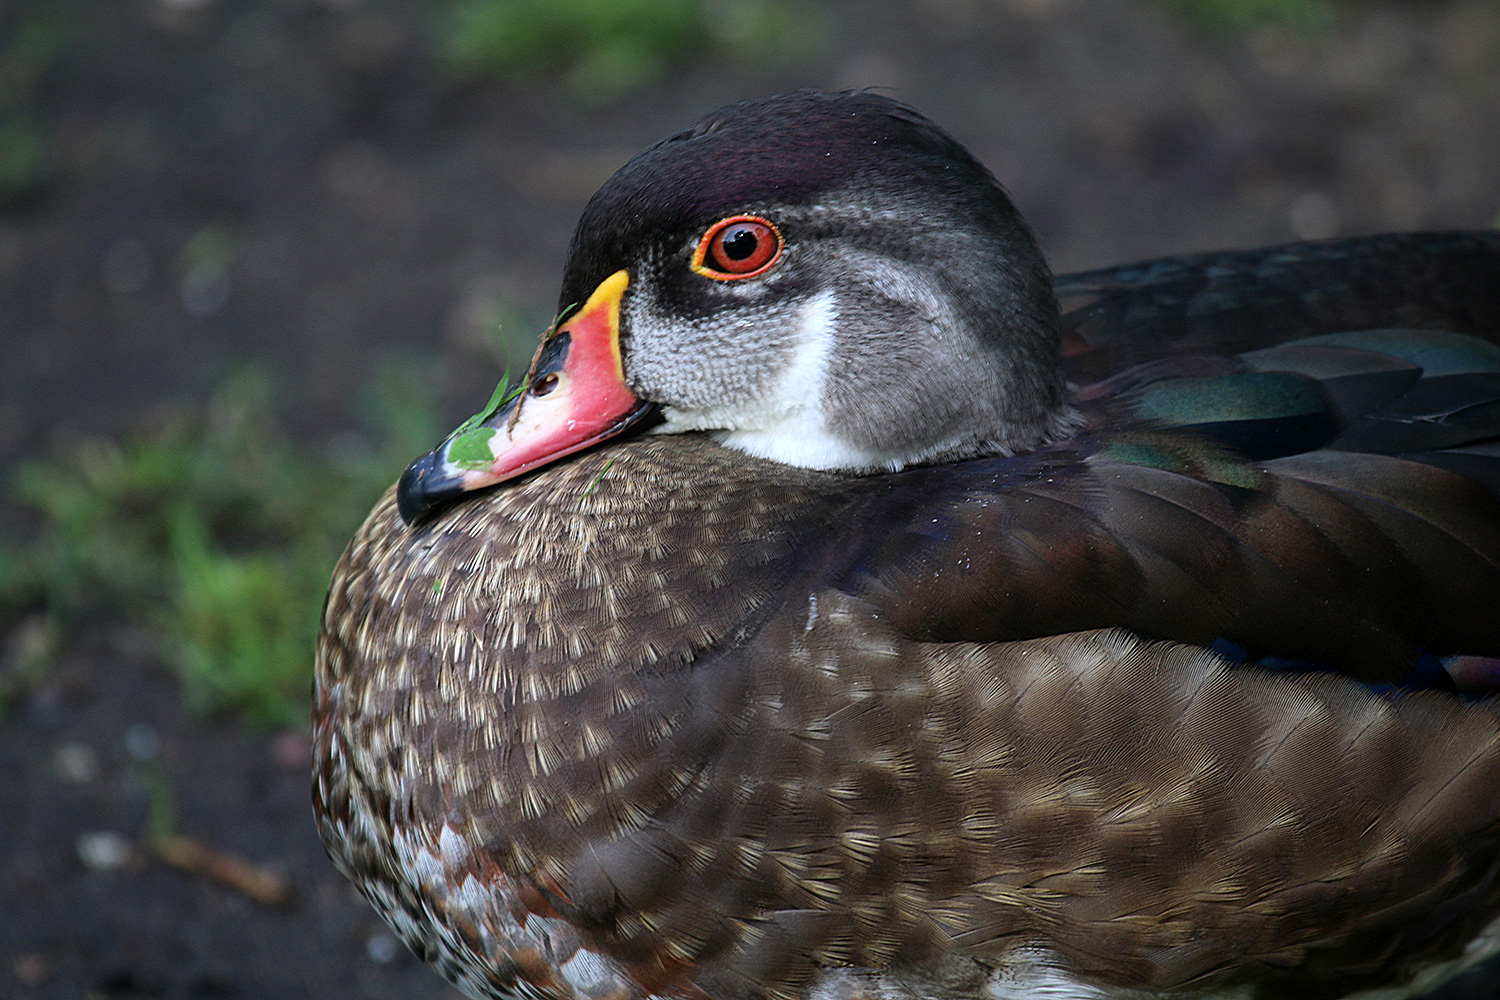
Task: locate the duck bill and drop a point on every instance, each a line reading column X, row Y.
column 573, row 398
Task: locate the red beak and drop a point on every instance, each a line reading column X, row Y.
column 574, row 397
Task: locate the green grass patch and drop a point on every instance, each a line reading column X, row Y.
column 213, row 531
column 602, row 48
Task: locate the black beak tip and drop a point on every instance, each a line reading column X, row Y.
column 424, row 486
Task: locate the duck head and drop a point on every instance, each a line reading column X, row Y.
column 825, row 280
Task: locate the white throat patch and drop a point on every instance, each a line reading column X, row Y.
column 787, row 425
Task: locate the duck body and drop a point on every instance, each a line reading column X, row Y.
column 1142, row 688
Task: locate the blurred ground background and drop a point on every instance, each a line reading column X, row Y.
column 254, row 255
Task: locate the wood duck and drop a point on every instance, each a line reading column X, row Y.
column 854, row 624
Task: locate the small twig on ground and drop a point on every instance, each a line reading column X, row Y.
column 189, row 855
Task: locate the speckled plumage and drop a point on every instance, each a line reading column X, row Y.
column 665, row 719
column 527, row 678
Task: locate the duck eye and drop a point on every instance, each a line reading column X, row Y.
column 740, row 246
column 545, row 384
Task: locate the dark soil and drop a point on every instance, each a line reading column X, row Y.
column 291, row 182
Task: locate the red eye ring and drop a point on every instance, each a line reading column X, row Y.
column 741, row 246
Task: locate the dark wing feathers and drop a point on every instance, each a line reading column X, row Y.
column 1357, row 381
column 1292, row 569
column 1442, row 412
column 1456, row 400
column 1447, row 527
column 1386, row 391
column 1326, row 496
column 1244, row 300
column 1479, row 463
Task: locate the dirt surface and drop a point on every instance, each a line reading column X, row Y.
column 290, row 182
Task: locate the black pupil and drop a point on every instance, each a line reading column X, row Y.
column 740, row 243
